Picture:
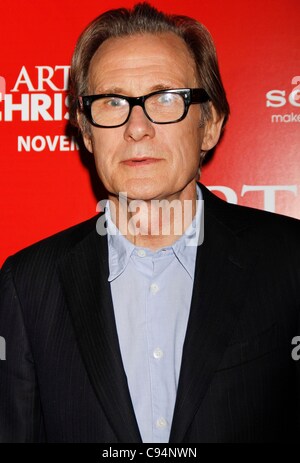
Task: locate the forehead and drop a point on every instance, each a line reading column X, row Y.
column 140, row 60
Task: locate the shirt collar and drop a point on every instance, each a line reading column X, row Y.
column 120, row 248
column 185, row 248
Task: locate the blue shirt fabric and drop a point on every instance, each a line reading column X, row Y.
column 151, row 292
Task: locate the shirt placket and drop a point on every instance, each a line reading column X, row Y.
column 158, row 355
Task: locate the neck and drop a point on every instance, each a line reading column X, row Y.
column 154, row 223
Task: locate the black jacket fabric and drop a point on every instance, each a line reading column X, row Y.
column 63, row 378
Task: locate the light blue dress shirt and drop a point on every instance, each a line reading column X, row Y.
column 151, row 292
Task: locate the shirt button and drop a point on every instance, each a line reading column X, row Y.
column 161, row 423
column 158, row 353
column 141, row 253
column 154, row 288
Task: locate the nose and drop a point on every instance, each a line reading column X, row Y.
column 138, row 126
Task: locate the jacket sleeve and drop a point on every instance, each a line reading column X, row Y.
column 20, row 408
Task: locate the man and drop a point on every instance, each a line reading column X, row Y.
column 120, row 332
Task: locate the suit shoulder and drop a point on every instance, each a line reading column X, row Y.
column 260, row 229
column 52, row 248
column 264, row 219
column 239, row 217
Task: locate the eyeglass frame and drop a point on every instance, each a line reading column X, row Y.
column 189, row 96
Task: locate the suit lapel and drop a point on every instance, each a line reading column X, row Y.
column 223, row 268
column 84, row 274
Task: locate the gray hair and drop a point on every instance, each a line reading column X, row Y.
column 145, row 19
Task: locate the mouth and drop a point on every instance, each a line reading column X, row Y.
column 140, row 162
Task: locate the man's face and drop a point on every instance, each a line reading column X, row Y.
column 146, row 160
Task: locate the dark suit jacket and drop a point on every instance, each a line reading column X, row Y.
column 63, row 378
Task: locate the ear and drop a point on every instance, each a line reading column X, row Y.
column 87, row 139
column 212, row 131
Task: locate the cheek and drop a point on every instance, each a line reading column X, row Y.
column 103, row 148
column 184, row 146
column 102, row 158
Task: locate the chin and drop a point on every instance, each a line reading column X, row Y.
column 142, row 189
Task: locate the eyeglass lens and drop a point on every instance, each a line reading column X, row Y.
column 160, row 107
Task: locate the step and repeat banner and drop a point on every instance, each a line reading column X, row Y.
column 48, row 182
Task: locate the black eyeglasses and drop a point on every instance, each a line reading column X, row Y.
column 162, row 107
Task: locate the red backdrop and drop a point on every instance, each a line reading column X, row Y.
column 45, row 183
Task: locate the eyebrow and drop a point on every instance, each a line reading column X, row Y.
column 120, row 90
column 161, row 87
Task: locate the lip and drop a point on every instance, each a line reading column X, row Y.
column 140, row 162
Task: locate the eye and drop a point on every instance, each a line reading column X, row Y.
column 115, row 102
column 166, row 98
